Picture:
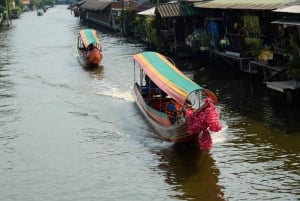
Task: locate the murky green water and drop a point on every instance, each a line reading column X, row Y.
column 70, row 134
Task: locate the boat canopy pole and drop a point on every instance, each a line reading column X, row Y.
column 134, row 72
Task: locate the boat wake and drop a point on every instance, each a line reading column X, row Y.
column 115, row 93
column 220, row 136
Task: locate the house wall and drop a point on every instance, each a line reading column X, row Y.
column 100, row 17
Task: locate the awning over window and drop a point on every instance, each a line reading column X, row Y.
column 289, row 9
column 148, row 12
column 287, row 22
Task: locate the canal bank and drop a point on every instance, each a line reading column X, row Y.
column 260, row 38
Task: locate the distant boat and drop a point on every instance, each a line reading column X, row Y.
column 40, row 12
column 178, row 108
column 15, row 13
column 76, row 11
column 89, row 48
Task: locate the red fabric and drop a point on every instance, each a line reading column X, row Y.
column 94, row 55
column 202, row 121
column 205, row 141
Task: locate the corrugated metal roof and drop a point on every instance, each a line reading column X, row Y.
column 289, row 9
column 243, row 4
column 144, row 6
column 95, row 5
column 176, row 10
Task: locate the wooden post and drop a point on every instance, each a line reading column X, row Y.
column 7, row 10
column 289, row 96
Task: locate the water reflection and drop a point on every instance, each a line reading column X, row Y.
column 97, row 72
column 8, row 109
column 192, row 173
column 248, row 96
column 261, row 151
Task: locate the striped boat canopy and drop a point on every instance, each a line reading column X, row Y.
column 166, row 75
column 89, row 36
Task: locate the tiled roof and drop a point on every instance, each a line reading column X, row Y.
column 95, row 5
column 176, row 10
column 243, row 4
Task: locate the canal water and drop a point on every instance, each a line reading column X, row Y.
column 67, row 134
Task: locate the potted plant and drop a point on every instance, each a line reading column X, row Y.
column 199, row 40
column 255, row 46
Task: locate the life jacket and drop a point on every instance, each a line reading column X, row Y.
column 171, row 110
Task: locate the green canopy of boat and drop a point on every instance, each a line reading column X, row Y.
column 89, row 36
column 166, row 75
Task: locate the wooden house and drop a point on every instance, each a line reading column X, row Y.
column 97, row 12
column 288, row 22
column 107, row 13
column 240, row 29
column 177, row 20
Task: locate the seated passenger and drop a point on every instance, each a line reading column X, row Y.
column 171, row 111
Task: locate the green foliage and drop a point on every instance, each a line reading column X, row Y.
column 291, row 48
column 255, row 46
column 2, row 9
column 127, row 21
column 294, row 67
column 139, row 25
column 151, row 29
column 251, row 24
column 16, row 9
column 15, row 12
column 295, row 45
column 3, row 3
column 199, row 39
column 19, row 3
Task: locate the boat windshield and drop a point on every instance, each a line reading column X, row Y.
column 195, row 99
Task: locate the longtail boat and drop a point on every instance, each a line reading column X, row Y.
column 89, row 48
column 40, row 12
column 178, row 108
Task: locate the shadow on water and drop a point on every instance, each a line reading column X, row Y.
column 95, row 71
column 263, row 133
column 192, row 172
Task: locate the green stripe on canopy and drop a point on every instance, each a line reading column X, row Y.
column 166, row 76
column 89, row 36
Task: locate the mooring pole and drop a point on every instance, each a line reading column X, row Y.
column 7, row 10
